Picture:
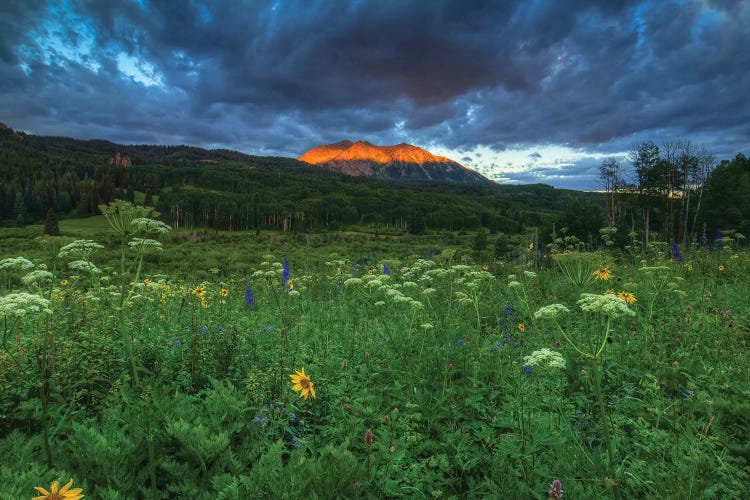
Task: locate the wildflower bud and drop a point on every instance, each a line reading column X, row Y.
column 345, row 363
column 392, row 449
column 633, row 333
column 555, row 490
column 450, row 366
column 395, row 410
column 368, row 438
column 385, row 418
column 675, row 364
column 356, row 485
column 583, row 372
column 367, row 355
column 688, row 308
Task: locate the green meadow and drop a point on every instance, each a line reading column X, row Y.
column 144, row 362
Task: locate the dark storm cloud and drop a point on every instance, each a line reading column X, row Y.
column 282, row 77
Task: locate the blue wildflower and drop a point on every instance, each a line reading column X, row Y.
column 386, row 269
column 286, row 275
column 527, row 369
column 719, row 240
column 249, row 297
column 203, row 329
column 292, row 416
column 459, row 342
column 676, row 252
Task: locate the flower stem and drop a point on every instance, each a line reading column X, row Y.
column 607, row 429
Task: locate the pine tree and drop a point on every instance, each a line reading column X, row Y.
column 19, row 210
column 416, row 222
column 51, row 226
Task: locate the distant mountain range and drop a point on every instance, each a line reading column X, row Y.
column 402, row 162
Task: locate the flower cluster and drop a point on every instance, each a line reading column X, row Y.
column 607, row 304
column 551, row 311
column 545, row 358
column 79, row 248
column 16, row 264
column 36, row 276
column 84, row 266
column 22, row 303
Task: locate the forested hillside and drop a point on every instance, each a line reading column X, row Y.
column 675, row 195
column 230, row 190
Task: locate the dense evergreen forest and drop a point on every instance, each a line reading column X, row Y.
column 224, row 189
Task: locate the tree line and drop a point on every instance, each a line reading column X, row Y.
column 676, row 193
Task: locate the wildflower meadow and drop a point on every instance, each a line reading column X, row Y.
column 335, row 373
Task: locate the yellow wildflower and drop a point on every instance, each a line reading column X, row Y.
column 627, row 297
column 521, row 327
column 57, row 493
column 224, row 292
column 302, row 383
column 531, row 246
column 64, row 282
column 721, row 267
column 603, row 273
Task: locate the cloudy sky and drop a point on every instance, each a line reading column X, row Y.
column 526, row 91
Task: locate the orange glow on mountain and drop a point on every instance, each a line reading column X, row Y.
column 362, row 150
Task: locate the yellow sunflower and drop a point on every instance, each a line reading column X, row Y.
column 609, row 292
column 302, row 383
column 603, row 273
column 224, row 292
column 627, row 297
column 290, row 284
column 57, row 493
column 64, row 282
column 521, row 327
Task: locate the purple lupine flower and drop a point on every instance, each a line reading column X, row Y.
column 676, row 252
column 287, row 275
column 386, row 269
column 719, row 240
column 249, row 297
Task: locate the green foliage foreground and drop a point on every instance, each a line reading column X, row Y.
column 433, row 378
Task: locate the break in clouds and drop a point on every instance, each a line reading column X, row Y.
column 528, row 91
